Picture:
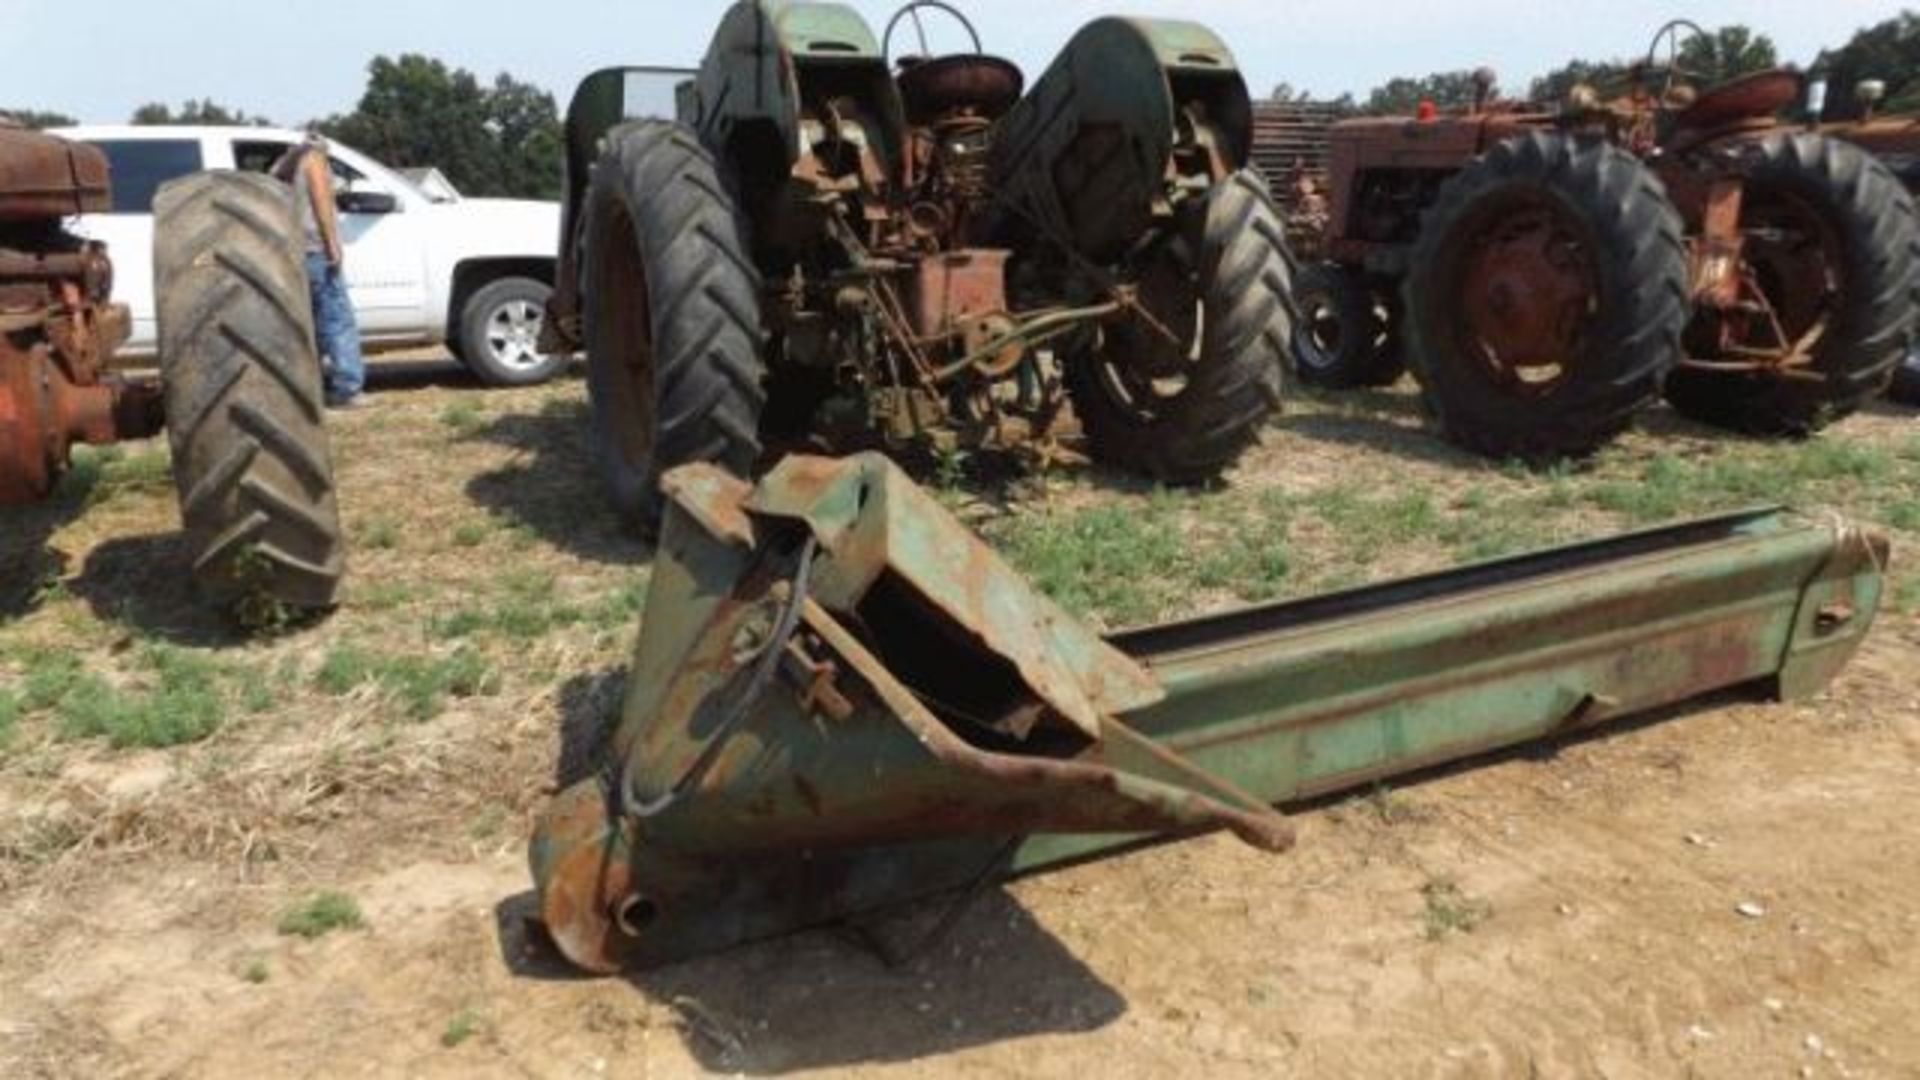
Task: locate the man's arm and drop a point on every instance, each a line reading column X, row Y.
column 320, row 190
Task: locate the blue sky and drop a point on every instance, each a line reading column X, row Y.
column 295, row 59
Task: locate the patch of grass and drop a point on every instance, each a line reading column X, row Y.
column 1367, row 525
column 97, row 474
column 11, row 708
column 1906, row 596
column 386, row 595
column 464, row 1025
column 1121, row 562
column 421, row 684
column 1451, row 911
column 469, row 534
column 382, row 533
column 530, row 606
column 463, row 416
column 256, row 971
column 182, row 702
column 321, row 914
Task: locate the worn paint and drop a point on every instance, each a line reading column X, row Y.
column 915, row 782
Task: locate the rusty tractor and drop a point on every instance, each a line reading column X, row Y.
column 239, row 389
column 832, row 246
column 1547, row 271
column 841, row 700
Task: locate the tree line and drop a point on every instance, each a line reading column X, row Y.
column 503, row 138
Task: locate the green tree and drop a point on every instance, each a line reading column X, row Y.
column 500, row 140
column 1888, row 51
column 1446, row 89
column 1714, row 57
column 204, row 111
column 38, row 119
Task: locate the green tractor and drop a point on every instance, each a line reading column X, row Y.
column 832, row 246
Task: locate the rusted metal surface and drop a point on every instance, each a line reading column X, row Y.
column 57, row 324
column 1530, row 284
column 44, row 177
column 841, row 700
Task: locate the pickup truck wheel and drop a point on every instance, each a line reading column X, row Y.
column 241, row 380
column 500, row 333
column 672, row 317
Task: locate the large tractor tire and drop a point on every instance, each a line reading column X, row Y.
column 240, row 376
column 1831, row 240
column 1546, row 298
column 1345, row 337
column 672, row 312
column 1182, row 411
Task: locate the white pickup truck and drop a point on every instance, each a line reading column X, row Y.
column 422, row 269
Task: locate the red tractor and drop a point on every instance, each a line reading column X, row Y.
column 1548, row 271
column 239, row 386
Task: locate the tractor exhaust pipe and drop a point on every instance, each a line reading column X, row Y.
column 842, row 700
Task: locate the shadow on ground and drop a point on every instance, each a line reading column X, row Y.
column 146, row 583
column 823, row 1000
column 552, row 487
column 28, row 566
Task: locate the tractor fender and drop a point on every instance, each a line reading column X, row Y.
column 1085, row 154
column 764, row 54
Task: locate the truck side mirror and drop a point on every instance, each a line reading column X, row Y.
column 366, row 202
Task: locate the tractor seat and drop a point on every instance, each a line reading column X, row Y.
column 986, row 86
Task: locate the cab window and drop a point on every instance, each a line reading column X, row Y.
column 140, row 166
column 260, row 155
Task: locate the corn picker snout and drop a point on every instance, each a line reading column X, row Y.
column 842, row 700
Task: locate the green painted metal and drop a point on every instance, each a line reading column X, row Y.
column 907, row 739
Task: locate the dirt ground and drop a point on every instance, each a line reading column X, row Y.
column 1732, row 891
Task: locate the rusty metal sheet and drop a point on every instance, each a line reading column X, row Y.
column 44, row 176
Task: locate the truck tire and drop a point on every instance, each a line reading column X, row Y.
column 499, row 333
column 1240, row 274
column 672, row 317
column 1546, row 297
column 240, row 378
column 1345, row 337
column 1848, row 224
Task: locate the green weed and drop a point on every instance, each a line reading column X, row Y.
column 463, row 416
column 421, row 684
column 464, row 1025
column 1451, row 911
column 321, row 914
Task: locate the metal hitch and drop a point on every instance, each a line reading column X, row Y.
column 842, row 699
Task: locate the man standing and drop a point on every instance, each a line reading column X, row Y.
column 338, row 336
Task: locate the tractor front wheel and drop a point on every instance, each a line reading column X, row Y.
column 1830, row 248
column 1905, row 387
column 1180, row 389
column 1346, row 337
column 1546, row 299
column 672, row 312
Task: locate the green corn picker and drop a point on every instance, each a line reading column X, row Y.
column 842, row 700
column 826, row 248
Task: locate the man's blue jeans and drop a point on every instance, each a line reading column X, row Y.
column 334, row 329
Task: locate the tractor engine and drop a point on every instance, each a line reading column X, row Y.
column 57, row 326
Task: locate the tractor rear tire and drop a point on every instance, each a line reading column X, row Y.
column 1344, row 338
column 1242, row 279
column 1871, row 306
column 240, row 377
column 672, row 317
column 1630, row 251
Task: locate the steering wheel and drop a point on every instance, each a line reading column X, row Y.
column 913, row 10
column 1677, row 34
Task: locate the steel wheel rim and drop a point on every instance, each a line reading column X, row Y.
column 1529, row 284
column 513, row 335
